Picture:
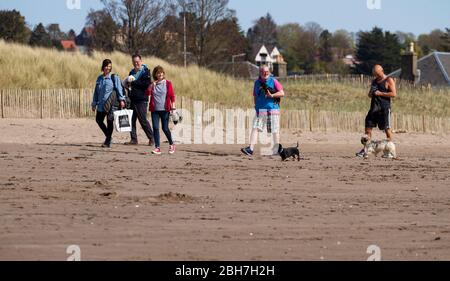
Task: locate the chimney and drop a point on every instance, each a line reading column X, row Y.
column 409, row 65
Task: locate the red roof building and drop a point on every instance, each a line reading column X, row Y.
column 68, row 45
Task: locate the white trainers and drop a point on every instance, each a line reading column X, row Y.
column 388, row 156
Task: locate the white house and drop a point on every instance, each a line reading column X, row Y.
column 273, row 59
column 265, row 57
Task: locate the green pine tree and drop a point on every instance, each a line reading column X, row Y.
column 40, row 37
column 376, row 47
column 13, row 27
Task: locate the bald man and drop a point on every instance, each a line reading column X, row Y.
column 267, row 92
column 381, row 92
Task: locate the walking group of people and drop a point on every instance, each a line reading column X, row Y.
column 144, row 94
column 159, row 97
column 268, row 91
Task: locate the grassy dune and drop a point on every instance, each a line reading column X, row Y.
column 24, row 67
column 332, row 96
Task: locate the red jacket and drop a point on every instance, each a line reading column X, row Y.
column 170, row 97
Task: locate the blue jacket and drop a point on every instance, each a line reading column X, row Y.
column 104, row 88
column 140, row 85
column 264, row 103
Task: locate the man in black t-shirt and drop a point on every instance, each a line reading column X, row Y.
column 381, row 92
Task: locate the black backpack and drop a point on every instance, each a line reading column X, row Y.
column 113, row 102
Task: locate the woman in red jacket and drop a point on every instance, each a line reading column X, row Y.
column 162, row 104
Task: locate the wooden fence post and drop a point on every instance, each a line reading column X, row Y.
column 42, row 104
column 1, row 102
column 423, row 124
column 80, row 103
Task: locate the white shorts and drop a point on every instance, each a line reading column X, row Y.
column 270, row 120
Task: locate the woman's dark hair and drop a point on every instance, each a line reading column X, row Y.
column 156, row 71
column 106, row 63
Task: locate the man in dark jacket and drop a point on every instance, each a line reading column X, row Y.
column 138, row 82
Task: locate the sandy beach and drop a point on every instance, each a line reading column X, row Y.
column 58, row 187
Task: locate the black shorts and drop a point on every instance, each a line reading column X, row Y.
column 382, row 119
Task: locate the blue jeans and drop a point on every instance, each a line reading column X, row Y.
column 164, row 117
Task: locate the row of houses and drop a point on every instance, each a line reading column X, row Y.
column 80, row 43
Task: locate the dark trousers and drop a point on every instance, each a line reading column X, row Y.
column 140, row 110
column 164, row 117
column 106, row 129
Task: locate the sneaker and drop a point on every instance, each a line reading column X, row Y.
column 388, row 156
column 172, row 149
column 107, row 143
column 247, row 151
column 156, row 151
column 361, row 154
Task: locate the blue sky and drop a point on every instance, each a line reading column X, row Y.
column 416, row 16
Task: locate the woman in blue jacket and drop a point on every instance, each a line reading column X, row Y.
column 104, row 88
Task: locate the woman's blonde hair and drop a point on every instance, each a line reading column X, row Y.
column 157, row 70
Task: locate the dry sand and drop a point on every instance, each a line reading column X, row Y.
column 58, row 188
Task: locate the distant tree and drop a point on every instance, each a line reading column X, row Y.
column 342, row 43
column 218, row 40
column 55, row 32
column 13, row 27
column 288, row 35
column 326, row 54
column 167, row 40
column 207, row 13
column 314, row 30
column 391, row 53
column 306, row 51
column 105, row 30
column 71, row 35
column 377, row 47
column 446, row 41
column 264, row 31
column 40, row 37
column 56, row 35
column 308, row 48
column 138, row 18
column 228, row 41
column 432, row 41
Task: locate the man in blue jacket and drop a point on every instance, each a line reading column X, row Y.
column 139, row 81
column 267, row 93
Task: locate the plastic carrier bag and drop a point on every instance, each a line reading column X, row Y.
column 122, row 120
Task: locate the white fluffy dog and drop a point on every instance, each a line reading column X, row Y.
column 376, row 147
column 126, row 83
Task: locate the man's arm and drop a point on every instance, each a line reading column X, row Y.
column 278, row 94
column 143, row 82
column 392, row 90
column 280, row 90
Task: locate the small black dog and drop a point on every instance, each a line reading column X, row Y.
column 289, row 152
